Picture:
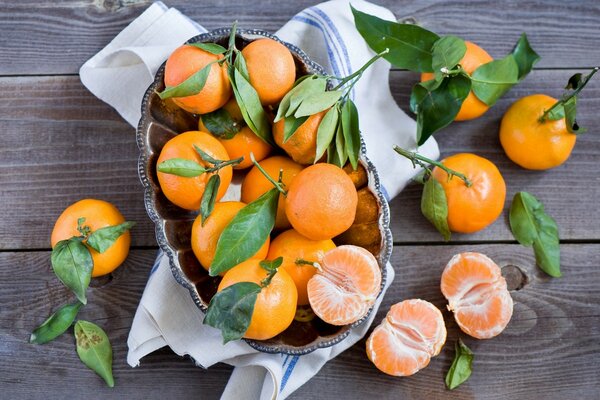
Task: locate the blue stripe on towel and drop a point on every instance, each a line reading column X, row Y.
column 288, row 372
column 159, row 256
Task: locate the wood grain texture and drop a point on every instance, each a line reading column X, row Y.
column 550, row 349
column 48, row 37
column 61, row 144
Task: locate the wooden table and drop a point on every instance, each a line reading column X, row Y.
column 58, row 144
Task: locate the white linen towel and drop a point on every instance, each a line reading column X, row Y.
column 121, row 72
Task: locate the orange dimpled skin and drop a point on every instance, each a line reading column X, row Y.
column 321, row 202
column 471, row 209
column 271, row 69
column 477, row 294
column 275, row 305
column 242, row 144
column 255, row 184
column 98, row 214
column 205, row 238
column 292, row 246
column 471, row 107
column 184, row 62
column 302, row 145
column 346, row 286
column 187, row 192
column 412, row 332
column 533, row 144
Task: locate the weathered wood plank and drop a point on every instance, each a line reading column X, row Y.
column 48, row 37
column 60, row 144
column 550, row 349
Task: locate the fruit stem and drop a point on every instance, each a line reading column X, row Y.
column 422, row 161
column 278, row 184
column 566, row 98
column 357, row 74
column 223, row 164
column 266, row 281
column 301, row 261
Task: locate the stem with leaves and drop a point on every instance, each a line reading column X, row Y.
column 278, row 184
column 356, row 75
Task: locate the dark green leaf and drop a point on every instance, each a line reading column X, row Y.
column 212, row 48
column 230, row 310
column 332, row 154
column 101, row 239
column 409, row 45
column 291, row 125
column 317, row 102
column 246, row 233
column 570, row 109
column 207, row 157
column 271, row 265
column 490, row 81
column 340, row 147
column 461, row 367
column 72, row 263
column 437, row 105
column 447, row 52
column 191, row 86
column 325, row 132
column 351, row 132
column 575, row 81
column 221, row 124
column 209, row 197
column 181, row 167
column 56, row 325
column 525, row 56
column 305, row 90
column 94, row 350
column 250, row 106
column 284, row 104
column 434, row 206
column 531, row 226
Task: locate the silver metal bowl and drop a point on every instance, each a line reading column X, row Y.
column 162, row 120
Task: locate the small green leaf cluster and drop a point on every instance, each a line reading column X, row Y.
column 437, row 102
column 461, row 367
column 73, row 264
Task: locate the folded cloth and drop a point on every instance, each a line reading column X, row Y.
column 120, row 73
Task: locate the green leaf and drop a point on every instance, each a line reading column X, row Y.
column 101, row 239
column 556, row 113
column 575, row 81
column 434, row 206
column 56, row 324
column 570, row 110
column 191, row 86
column 531, row 226
column 207, row 157
column 436, row 104
column 209, row 197
column 271, row 265
column 409, row 45
column 326, row 130
column 490, row 81
column 291, row 125
column 461, row 367
column 72, row 263
column 284, row 104
column 230, row 310
column 181, row 167
column 221, row 124
column 250, row 106
column 94, row 350
column 303, row 91
column 340, row 147
column 317, row 102
column 241, row 66
column 212, row 48
column 351, row 132
column 524, row 56
column 447, row 52
column 246, row 233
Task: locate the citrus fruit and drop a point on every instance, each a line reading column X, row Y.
column 345, row 286
column 471, row 209
column 412, row 332
column 255, row 184
column 321, row 202
column 187, row 192
column 275, row 305
column 302, row 145
column 205, row 238
column 477, row 294
column 98, row 214
column 234, row 112
column 471, row 107
column 242, row 144
column 292, row 246
column 271, row 69
column 533, row 144
column 184, row 62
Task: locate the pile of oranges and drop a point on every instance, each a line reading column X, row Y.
column 318, row 203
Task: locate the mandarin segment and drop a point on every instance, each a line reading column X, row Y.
column 477, row 294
